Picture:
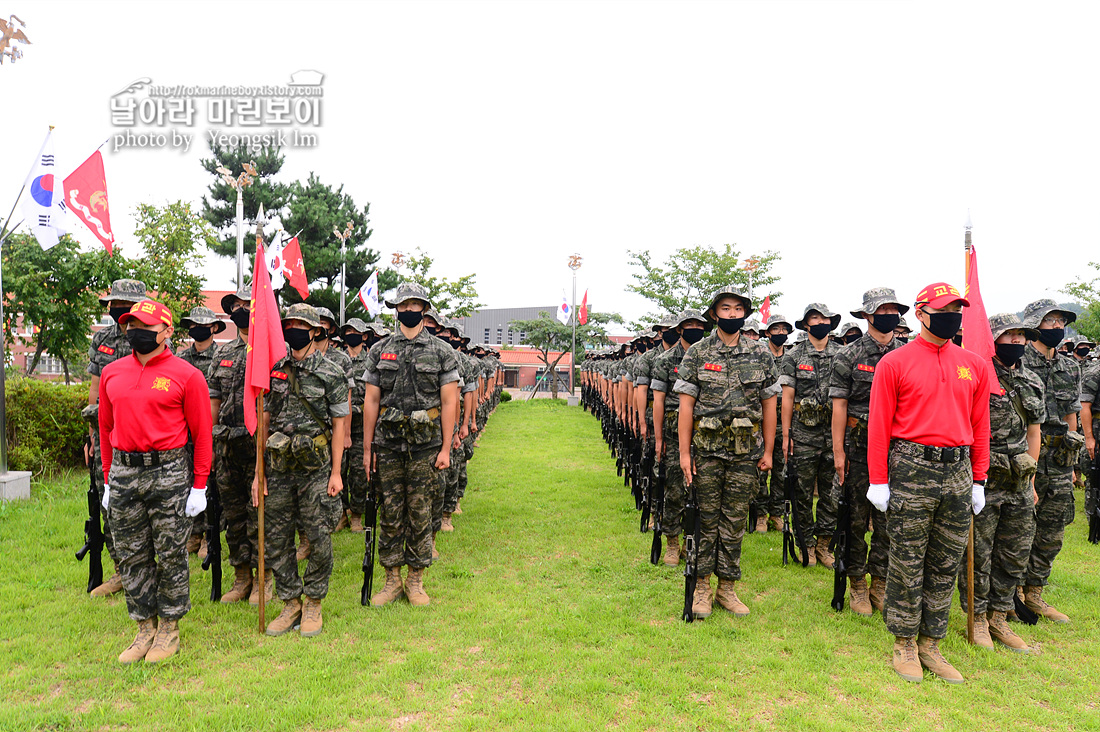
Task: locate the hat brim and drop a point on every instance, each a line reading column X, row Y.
column 300, row 319
column 749, row 310
column 834, row 319
column 392, row 304
column 227, row 300
column 943, row 301
column 104, row 301
column 875, row 305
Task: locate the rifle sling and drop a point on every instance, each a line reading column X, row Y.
column 292, row 377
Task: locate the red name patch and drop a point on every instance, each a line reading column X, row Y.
column 712, row 367
column 226, row 363
column 865, row 367
column 388, row 357
column 805, row 367
column 279, row 375
column 676, row 370
column 107, row 349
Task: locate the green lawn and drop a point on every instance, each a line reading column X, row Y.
column 545, row 614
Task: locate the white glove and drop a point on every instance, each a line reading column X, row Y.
column 196, row 502
column 106, row 495
column 879, row 495
column 977, row 498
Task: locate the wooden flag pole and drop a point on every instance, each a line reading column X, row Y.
column 261, row 488
column 970, row 540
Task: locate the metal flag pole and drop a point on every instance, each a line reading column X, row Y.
column 967, row 246
column 261, row 443
column 343, row 237
column 574, row 264
column 239, row 183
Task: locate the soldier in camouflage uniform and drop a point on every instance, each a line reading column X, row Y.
column 848, row 333
column 355, row 334
column 1090, row 413
column 108, row 345
column 807, row 415
column 850, row 391
column 411, row 394
column 903, row 332
column 690, row 328
column 342, row 361
column 305, row 419
column 1060, row 447
column 727, row 387
column 752, row 329
column 468, row 374
column 434, row 326
column 1004, row 530
column 768, row 505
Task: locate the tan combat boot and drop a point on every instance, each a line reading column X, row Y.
column 304, row 549
column 859, row 598
column 761, row 524
column 193, row 543
column 1033, row 598
column 203, row 550
column 355, row 523
column 447, row 525
column 811, row 555
column 905, row 660
column 458, row 509
column 878, row 593
column 166, row 643
column 414, row 588
column 981, row 631
column 391, row 590
column 701, row 601
column 824, row 556
column 928, row 650
column 110, row 587
column 1003, row 634
column 147, row 630
column 269, row 587
column 728, row 599
column 775, row 523
column 342, row 523
column 311, row 617
column 672, row 551
column 288, row 618
column 242, row 585
column 435, row 552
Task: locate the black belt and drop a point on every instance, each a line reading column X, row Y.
column 932, row 454
column 147, row 459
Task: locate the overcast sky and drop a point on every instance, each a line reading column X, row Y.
column 851, row 137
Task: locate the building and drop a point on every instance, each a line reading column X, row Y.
column 523, row 369
column 490, row 327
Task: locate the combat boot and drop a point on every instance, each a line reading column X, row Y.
column 859, row 597
column 878, row 593
column 701, row 601
column 311, row 617
column 981, row 631
column 761, row 524
column 672, row 551
column 728, row 599
column 304, row 549
column 391, row 590
column 242, row 585
column 928, row 650
column 435, row 552
column 905, row 660
column 824, row 556
column 342, row 523
column 458, row 509
column 999, row 630
column 447, row 525
column 204, row 549
column 355, row 523
column 811, row 555
column 1033, row 598
column 147, row 630
column 193, row 543
column 110, row 587
column 414, row 588
column 269, row 586
column 166, row 643
column 288, row 618
column 775, row 523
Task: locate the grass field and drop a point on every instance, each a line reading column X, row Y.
column 545, row 615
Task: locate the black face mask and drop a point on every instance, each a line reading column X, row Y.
column 944, row 325
column 117, row 313
column 641, row 348
column 778, row 339
column 353, row 339
column 886, row 322
column 296, row 338
column 322, row 336
column 903, row 339
column 410, row 318
column 820, row 330
column 854, row 337
column 240, row 318
column 433, row 329
column 456, row 345
column 1052, row 337
column 670, row 337
column 693, row 335
column 730, row 326
column 142, row 341
column 200, row 332
column 1083, row 351
column 1009, row 353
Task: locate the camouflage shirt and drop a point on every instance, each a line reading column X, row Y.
column 227, row 384
column 728, row 381
column 467, row 369
column 853, row 370
column 665, row 372
column 1009, row 429
column 356, row 384
column 808, row 371
column 342, row 361
column 643, row 370
column 108, row 345
column 202, row 360
column 1090, row 386
column 1061, row 378
column 320, row 382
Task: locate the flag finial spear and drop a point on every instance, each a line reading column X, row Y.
column 968, row 226
column 261, row 219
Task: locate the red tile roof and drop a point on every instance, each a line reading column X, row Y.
column 528, row 357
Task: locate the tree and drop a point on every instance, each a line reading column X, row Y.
column 1088, row 294
column 454, row 298
column 170, row 236
column 689, row 277
column 547, row 334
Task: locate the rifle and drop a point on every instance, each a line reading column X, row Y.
column 617, row 447
column 646, row 489
column 658, row 509
column 1094, row 492
column 93, row 534
column 692, row 529
column 370, row 521
column 792, row 525
column 213, row 561
column 842, row 539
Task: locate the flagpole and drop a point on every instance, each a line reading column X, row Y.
column 240, row 238
column 574, row 264
column 967, row 247
column 261, row 483
column 343, row 237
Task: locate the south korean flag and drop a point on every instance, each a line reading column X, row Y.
column 44, row 205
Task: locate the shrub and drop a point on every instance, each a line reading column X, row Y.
column 45, row 430
column 505, row 396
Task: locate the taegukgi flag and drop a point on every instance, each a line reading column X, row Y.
column 368, row 295
column 44, row 207
column 564, row 311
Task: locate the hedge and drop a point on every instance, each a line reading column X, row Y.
column 45, row 430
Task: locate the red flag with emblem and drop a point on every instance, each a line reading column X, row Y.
column 583, row 312
column 977, row 335
column 765, row 310
column 295, row 268
column 86, row 197
column 265, row 339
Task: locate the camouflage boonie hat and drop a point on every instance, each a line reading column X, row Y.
column 691, row 314
column 777, row 319
column 202, row 316
column 357, row 325
column 1080, row 340
column 323, row 312
column 305, row 313
column 459, row 331
column 848, row 326
column 1036, row 311
column 243, row 295
column 379, row 328
column 875, row 298
column 752, row 324
column 409, row 291
column 669, row 321
column 819, row 307
column 730, row 291
column 132, row 291
column 1002, row 322
column 643, row 334
column 902, row 325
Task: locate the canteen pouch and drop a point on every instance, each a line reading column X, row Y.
column 220, row 433
column 278, row 452
column 391, row 425
column 421, row 427
column 1069, row 450
column 710, row 434
column 1023, row 466
column 810, row 413
column 310, row 453
column 743, row 436
column 1000, row 469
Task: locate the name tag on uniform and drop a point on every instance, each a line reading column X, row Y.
column 712, row 367
column 676, row 369
column 226, row 362
column 865, row 367
column 106, row 349
column 279, row 375
column 388, row 356
column 805, row 367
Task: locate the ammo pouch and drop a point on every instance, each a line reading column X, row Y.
column 309, row 453
column 1067, row 450
column 220, row 433
column 812, row 414
column 1023, row 466
column 417, row 428
column 278, row 452
column 714, row 434
column 672, row 421
column 1000, row 468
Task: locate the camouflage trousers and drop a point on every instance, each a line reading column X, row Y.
column 929, row 520
column 724, row 489
column 96, row 458
column 1003, row 533
column 354, row 495
column 299, row 500
column 454, row 482
column 770, row 499
column 861, row 558
column 151, row 532
column 235, row 461
column 409, row 483
column 672, row 518
column 1053, row 513
column 812, row 459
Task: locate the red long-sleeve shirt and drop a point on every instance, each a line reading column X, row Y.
column 154, row 407
column 931, row 395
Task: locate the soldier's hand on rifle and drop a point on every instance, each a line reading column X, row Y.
column 256, row 491
column 443, row 459
column 335, row 484
column 88, row 453
column 367, row 457
column 687, row 465
column 786, row 443
column 347, row 440
column 196, row 502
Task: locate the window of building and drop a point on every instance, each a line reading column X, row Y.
column 498, row 336
column 486, row 336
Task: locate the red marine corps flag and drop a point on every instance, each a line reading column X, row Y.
column 86, row 195
column 977, row 335
column 765, row 311
column 265, row 338
column 583, row 312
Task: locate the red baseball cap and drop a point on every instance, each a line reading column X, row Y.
column 149, row 312
column 939, row 294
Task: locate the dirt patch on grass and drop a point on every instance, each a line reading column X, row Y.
column 404, row 721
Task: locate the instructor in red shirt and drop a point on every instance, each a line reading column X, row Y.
column 151, row 404
column 927, row 455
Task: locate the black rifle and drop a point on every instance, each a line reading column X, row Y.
column 213, row 561
column 692, row 529
column 1094, row 491
column 93, row 534
column 658, row 509
column 792, row 525
column 842, row 539
column 370, row 521
column 646, row 489
column 618, row 447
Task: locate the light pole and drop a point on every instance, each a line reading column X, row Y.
column 343, row 237
column 574, row 264
column 239, row 183
column 750, row 266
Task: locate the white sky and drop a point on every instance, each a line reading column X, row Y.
column 852, row 137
